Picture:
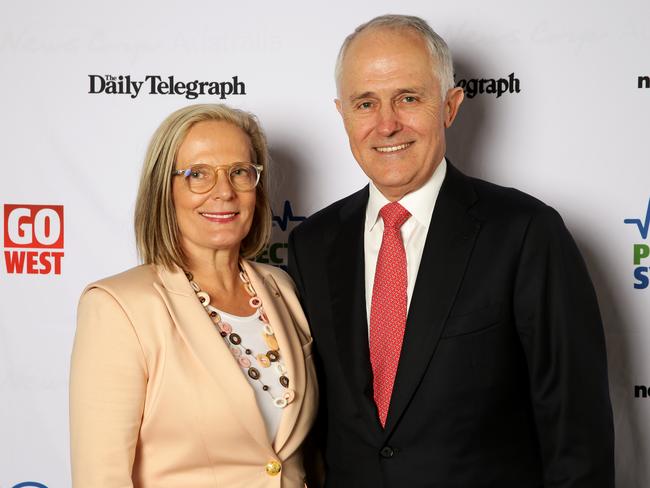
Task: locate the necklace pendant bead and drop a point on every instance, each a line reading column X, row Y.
column 245, row 362
column 289, row 395
column 280, row 402
column 204, row 298
column 268, row 330
column 271, row 342
column 213, row 313
column 264, row 361
column 255, row 302
column 273, row 356
column 235, row 339
column 284, row 381
column 254, row 373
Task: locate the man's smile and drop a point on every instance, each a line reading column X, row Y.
column 390, row 149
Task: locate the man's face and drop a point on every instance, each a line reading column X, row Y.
column 392, row 109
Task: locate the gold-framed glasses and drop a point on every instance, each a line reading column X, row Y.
column 201, row 178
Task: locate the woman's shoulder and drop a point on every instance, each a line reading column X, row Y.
column 133, row 284
column 135, row 280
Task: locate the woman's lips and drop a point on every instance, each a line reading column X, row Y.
column 221, row 217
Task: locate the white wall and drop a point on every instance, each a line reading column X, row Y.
column 575, row 136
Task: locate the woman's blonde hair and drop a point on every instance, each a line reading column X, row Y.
column 156, row 229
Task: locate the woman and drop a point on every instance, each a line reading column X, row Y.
column 194, row 369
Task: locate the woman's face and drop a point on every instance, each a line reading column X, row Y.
column 220, row 218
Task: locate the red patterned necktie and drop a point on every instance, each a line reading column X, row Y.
column 388, row 310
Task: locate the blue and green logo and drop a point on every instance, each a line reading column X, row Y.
column 276, row 252
column 641, row 251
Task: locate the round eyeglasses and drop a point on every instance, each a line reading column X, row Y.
column 201, row 178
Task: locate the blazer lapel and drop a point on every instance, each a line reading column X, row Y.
column 290, row 348
column 447, row 249
column 346, row 278
column 198, row 331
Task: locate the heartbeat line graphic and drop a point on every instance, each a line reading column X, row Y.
column 644, row 226
column 287, row 216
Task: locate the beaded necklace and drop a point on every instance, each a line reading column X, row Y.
column 242, row 354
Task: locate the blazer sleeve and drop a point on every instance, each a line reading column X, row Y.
column 107, row 390
column 559, row 324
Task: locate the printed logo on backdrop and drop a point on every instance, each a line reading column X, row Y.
column 641, row 250
column 276, row 252
column 108, row 84
column 30, row 484
column 643, row 82
column 490, row 86
column 33, row 239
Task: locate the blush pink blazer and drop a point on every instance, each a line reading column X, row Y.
column 158, row 401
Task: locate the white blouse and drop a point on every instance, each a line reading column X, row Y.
column 251, row 331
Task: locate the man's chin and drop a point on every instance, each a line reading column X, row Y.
column 393, row 190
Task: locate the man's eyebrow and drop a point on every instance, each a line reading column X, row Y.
column 412, row 89
column 400, row 91
column 358, row 96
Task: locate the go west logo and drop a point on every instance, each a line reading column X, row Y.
column 156, row 85
column 641, row 251
column 276, row 252
column 33, row 239
column 491, row 86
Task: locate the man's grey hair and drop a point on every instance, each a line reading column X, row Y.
column 440, row 55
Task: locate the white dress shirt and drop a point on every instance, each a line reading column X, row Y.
column 420, row 205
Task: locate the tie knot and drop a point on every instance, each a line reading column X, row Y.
column 394, row 215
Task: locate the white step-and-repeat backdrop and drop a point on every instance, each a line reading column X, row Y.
column 84, row 84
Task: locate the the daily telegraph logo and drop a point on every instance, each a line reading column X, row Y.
column 490, row 86
column 643, row 82
column 163, row 85
column 641, row 251
column 276, row 252
column 33, row 239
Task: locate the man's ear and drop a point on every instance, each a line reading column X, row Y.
column 454, row 98
column 337, row 102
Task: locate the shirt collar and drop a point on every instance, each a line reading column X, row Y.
column 420, row 203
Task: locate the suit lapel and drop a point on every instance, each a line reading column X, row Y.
column 346, row 278
column 290, row 348
column 448, row 246
column 199, row 333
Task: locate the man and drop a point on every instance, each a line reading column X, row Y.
column 458, row 331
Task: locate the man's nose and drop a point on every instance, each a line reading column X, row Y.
column 389, row 122
column 222, row 188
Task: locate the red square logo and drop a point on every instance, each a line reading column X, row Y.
column 33, row 226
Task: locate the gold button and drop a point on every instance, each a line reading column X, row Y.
column 273, row 468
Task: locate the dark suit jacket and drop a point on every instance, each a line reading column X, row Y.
column 502, row 380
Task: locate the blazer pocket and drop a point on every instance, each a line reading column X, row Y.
column 473, row 321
